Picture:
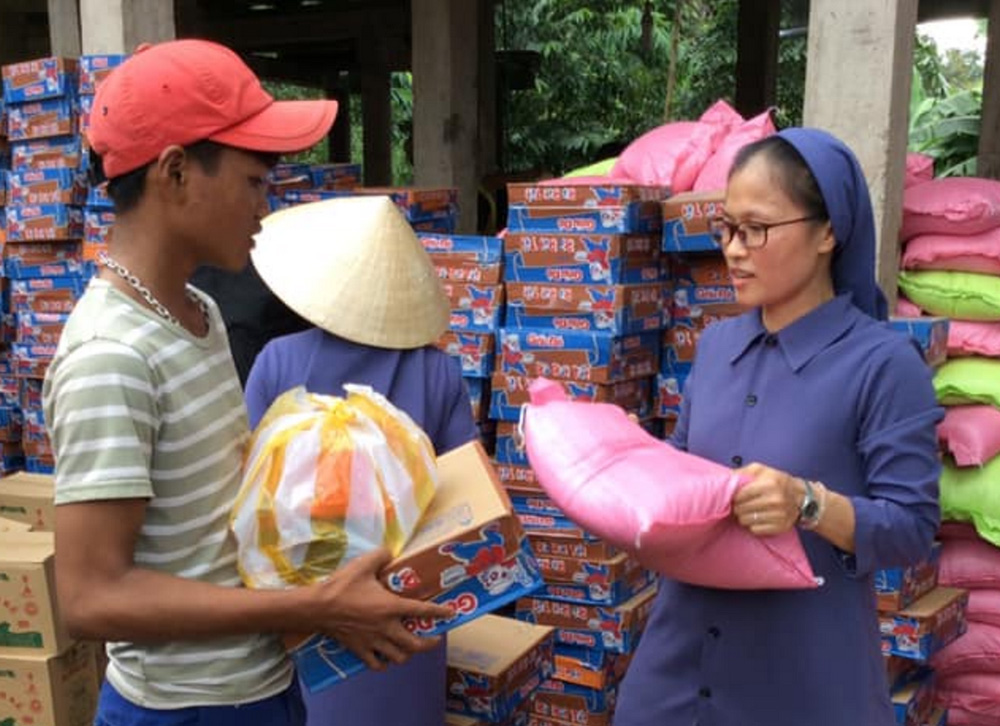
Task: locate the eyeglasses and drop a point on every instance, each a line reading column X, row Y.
column 752, row 235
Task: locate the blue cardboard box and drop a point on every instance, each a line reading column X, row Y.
column 614, row 629
column 930, row 334
column 898, row 587
column 43, row 119
column 475, row 352
column 64, row 152
column 495, row 664
column 46, row 186
column 594, row 356
column 34, row 80
column 926, row 626
column 618, row 309
column 44, row 222
column 685, row 221
column 609, row 259
column 632, row 218
column 95, row 68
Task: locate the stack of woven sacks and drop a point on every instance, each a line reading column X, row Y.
column 951, row 267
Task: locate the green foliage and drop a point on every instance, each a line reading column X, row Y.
column 946, row 108
column 601, row 83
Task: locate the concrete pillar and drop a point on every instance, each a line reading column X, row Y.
column 446, row 99
column 64, row 28
column 118, row 26
column 989, row 131
column 757, row 56
column 858, row 87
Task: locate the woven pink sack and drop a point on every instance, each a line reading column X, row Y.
column 672, row 509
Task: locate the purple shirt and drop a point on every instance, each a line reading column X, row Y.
column 427, row 385
column 835, row 397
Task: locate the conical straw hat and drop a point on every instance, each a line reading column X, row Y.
column 355, row 268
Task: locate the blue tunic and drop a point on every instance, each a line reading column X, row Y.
column 835, row 397
column 427, row 384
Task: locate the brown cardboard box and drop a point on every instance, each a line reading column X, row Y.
column 12, row 525
column 29, row 498
column 494, row 664
column 685, row 221
column 469, row 553
column 470, row 504
column 39, row 690
column 29, row 617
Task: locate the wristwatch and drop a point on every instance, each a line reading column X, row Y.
column 809, row 510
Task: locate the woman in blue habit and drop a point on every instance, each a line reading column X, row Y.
column 832, row 416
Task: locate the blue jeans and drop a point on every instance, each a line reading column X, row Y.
column 285, row 709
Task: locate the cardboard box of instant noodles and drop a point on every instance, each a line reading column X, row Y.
column 469, row 553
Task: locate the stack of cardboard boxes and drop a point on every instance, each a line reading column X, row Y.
column 46, row 679
column 43, row 257
column 98, row 214
column 585, row 292
column 11, row 420
column 471, row 269
column 917, row 619
column 495, row 666
column 700, row 295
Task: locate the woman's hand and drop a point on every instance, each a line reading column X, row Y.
column 770, row 503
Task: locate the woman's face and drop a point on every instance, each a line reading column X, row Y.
column 790, row 274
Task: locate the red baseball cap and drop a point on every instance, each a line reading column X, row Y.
column 185, row 91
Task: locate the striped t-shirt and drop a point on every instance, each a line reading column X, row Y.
column 138, row 407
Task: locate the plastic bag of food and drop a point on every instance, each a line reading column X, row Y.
column 327, row 479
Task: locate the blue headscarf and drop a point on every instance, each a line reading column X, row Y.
column 845, row 191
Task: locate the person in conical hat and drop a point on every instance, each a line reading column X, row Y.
column 354, row 268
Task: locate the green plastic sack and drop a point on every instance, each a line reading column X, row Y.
column 968, row 380
column 959, row 295
column 972, row 494
column 598, row 168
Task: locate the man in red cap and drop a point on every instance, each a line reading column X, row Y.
column 148, row 422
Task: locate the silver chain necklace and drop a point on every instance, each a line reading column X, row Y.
column 136, row 284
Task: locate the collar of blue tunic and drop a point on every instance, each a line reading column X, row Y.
column 801, row 341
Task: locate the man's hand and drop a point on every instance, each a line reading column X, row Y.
column 770, row 503
column 365, row 617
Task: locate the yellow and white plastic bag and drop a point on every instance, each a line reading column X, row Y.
column 327, row 479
